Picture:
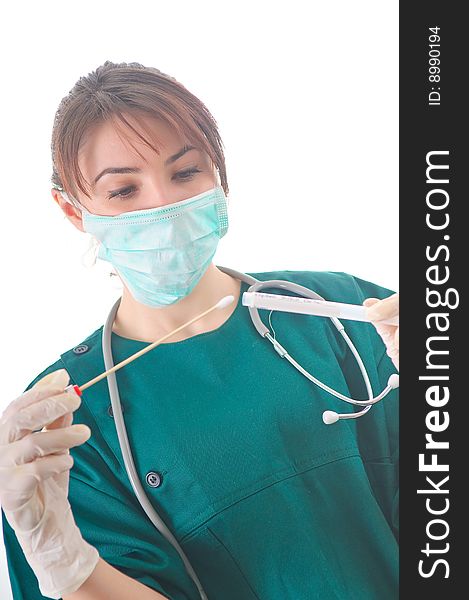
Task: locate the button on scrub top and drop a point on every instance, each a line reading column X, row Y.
column 267, row 501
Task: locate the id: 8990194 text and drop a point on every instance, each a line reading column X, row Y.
column 434, row 76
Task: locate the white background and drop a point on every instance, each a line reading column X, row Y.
column 306, row 98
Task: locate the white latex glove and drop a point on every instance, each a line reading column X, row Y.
column 35, row 437
column 385, row 309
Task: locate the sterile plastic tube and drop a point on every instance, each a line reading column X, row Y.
column 308, row 306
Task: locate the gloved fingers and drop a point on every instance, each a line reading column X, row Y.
column 382, row 309
column 385, row 309
column 59, row 378
column 63, row 478
column 46, row 466
column 370, row 301
column 60, row 423
column 43, row 443
column 18, row 487
column 390, row 336
column 50, row 385
column 35, row 416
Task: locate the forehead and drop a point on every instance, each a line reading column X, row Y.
column 109, row 144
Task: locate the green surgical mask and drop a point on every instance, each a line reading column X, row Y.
column 161, row 253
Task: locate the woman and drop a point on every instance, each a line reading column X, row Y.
column 263, row 498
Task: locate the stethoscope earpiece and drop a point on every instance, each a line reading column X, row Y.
column 329, row 417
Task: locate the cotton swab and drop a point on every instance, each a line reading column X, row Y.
column 223, row 303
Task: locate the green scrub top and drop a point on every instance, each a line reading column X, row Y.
column 267, row 501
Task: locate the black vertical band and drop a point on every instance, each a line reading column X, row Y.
column 434, row 236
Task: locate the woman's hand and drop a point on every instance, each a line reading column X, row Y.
column 385, row 309
column 35, row 437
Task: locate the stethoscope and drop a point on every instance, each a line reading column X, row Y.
column 328, row 416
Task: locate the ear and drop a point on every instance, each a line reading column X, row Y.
column 71, row 212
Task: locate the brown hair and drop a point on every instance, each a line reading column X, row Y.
column 116, row 88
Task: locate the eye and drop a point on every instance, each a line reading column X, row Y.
column 127, row 192
column 123, row 192
column 187, row 174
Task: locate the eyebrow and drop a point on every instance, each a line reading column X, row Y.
column 121, row 170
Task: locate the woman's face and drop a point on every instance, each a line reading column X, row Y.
column 173, row 175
